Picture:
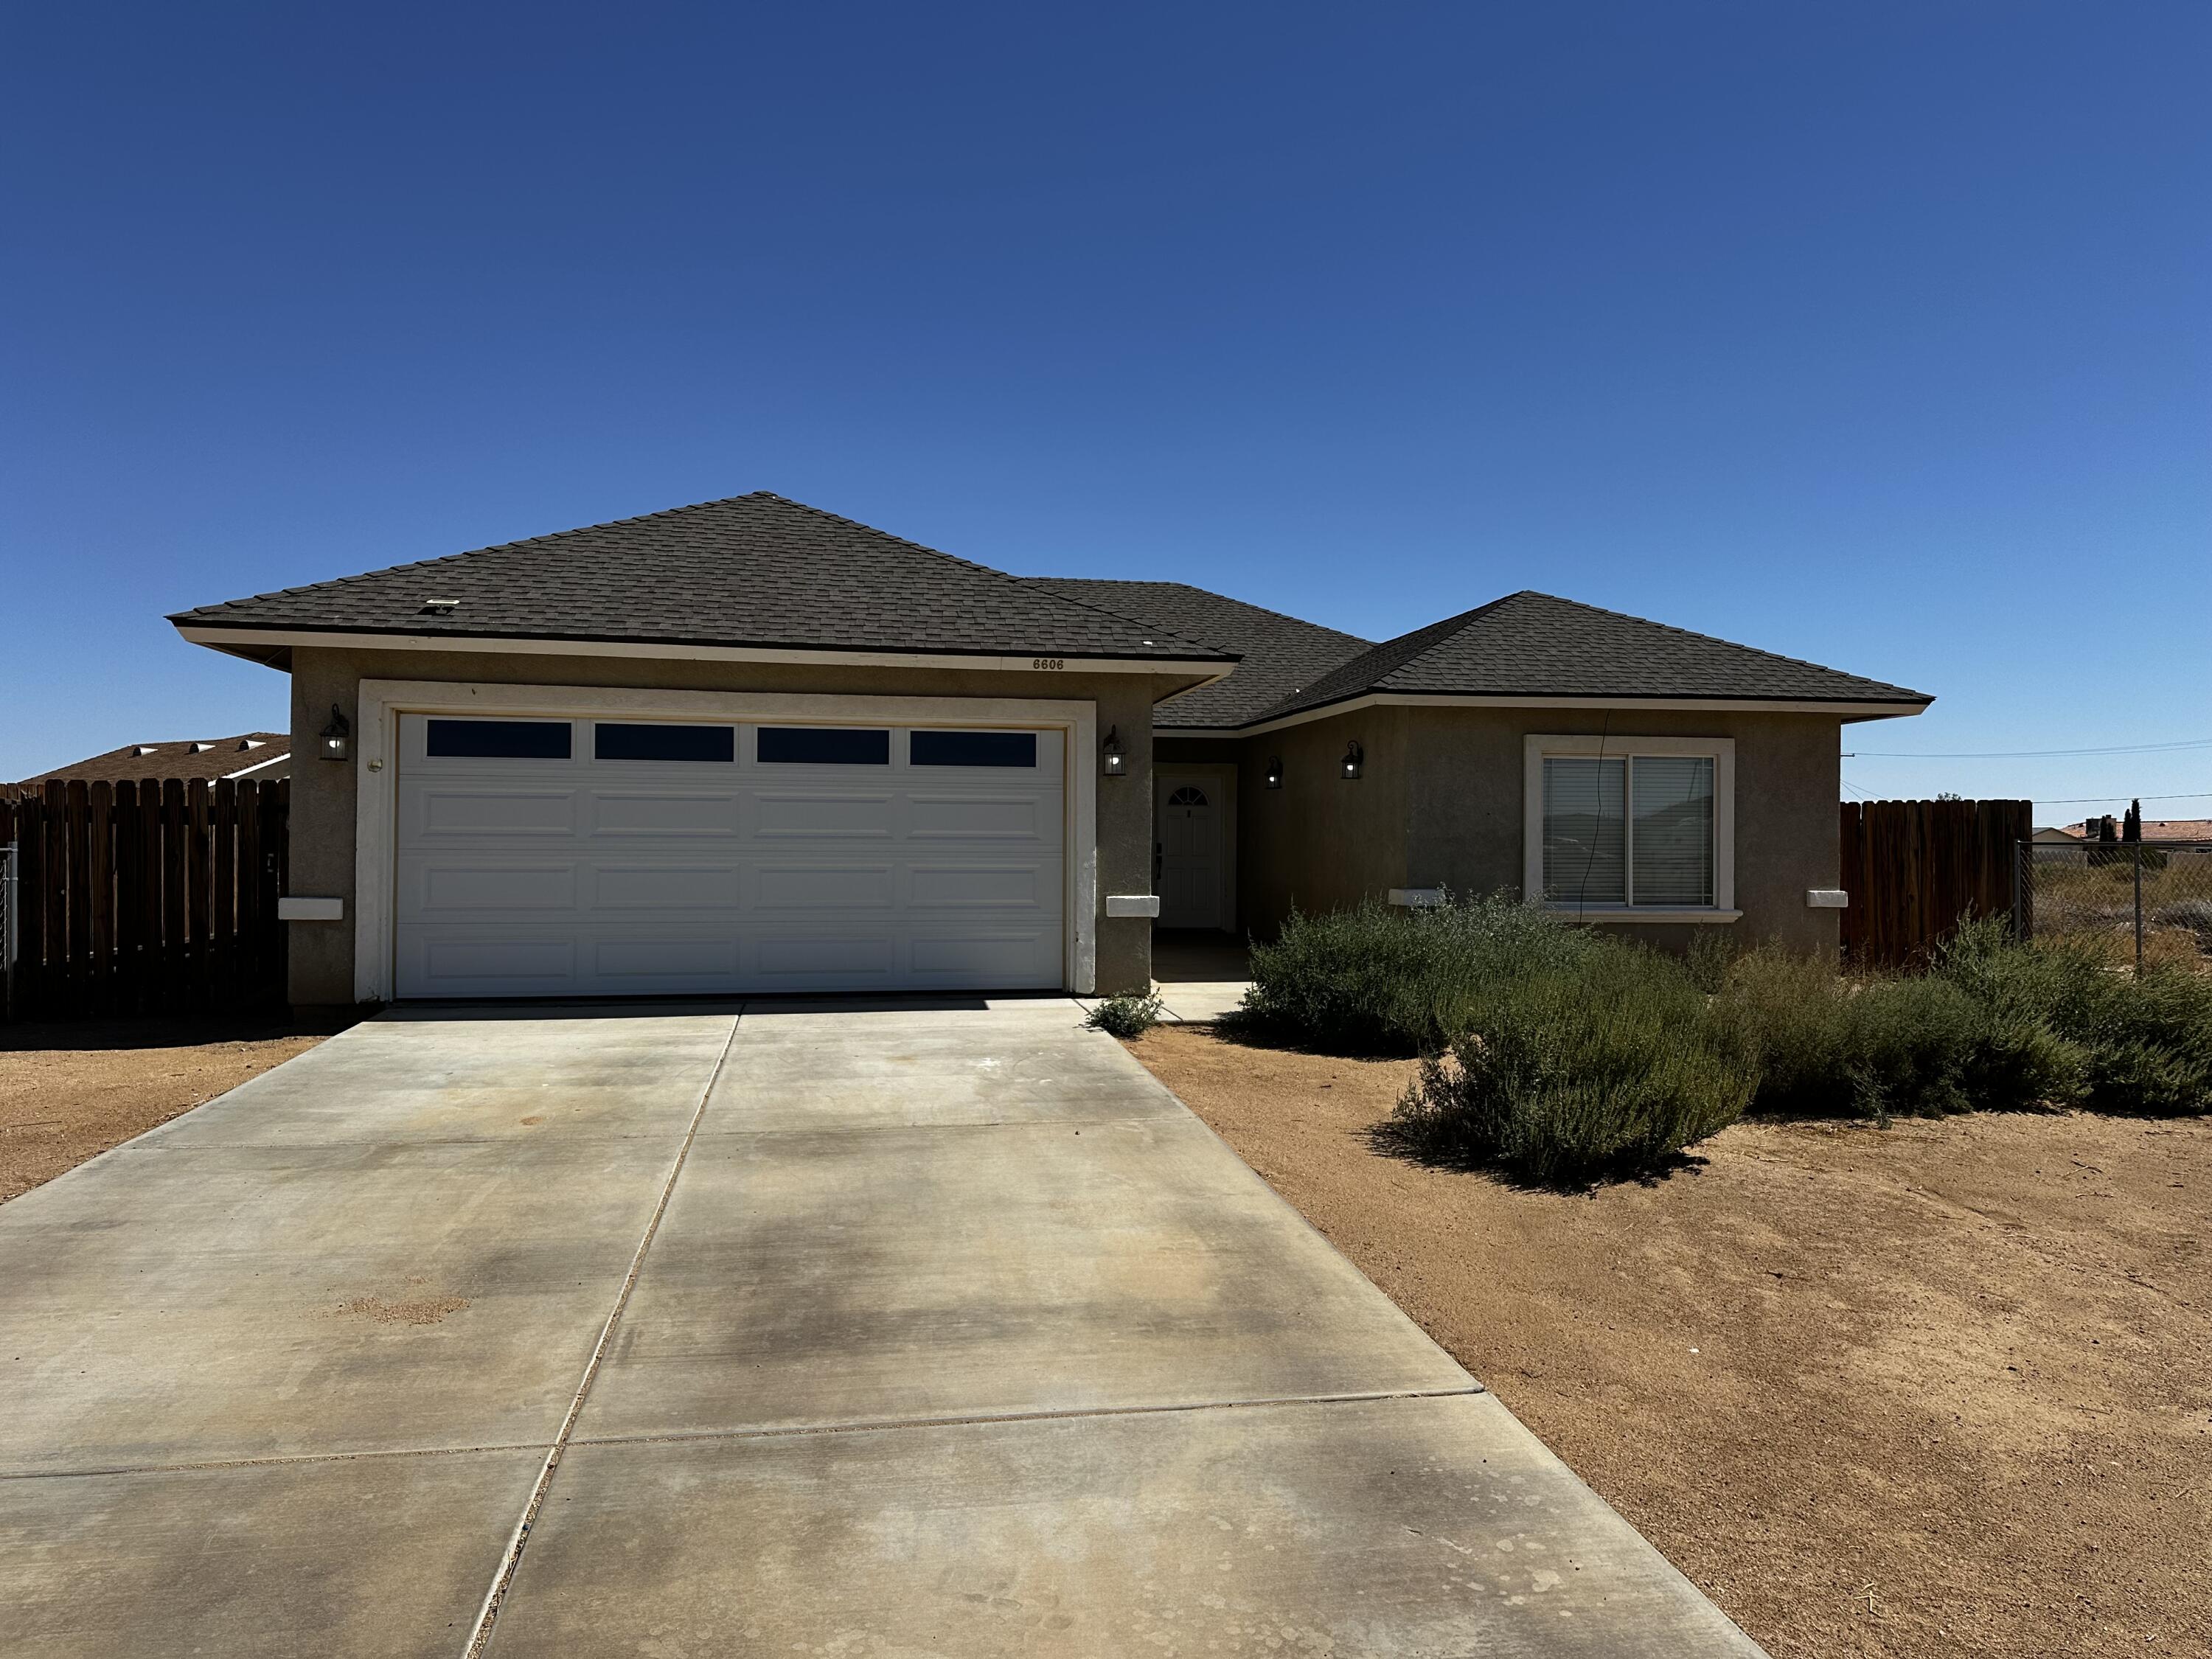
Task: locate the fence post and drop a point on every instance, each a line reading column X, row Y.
column 2138, row 909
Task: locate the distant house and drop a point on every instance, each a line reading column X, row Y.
column 257, row 755
column 2153, row 829
column 2055, row 837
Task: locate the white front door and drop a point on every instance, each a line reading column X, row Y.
column 560, row 857
column 1188, row 839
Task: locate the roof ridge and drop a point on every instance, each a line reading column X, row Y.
column 1210, row 592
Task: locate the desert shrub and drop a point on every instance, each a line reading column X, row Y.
column 1603, row 1063
column 1377, row 979
column 1129, row 1015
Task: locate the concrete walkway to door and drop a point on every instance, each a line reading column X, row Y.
column 850, row 1328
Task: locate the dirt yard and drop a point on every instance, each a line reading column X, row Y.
column 69, row 1092
column 1940, row 1389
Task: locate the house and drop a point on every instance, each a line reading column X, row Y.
column 260, row 756
column 2055, row 837
column 749, row 745
column 2153, row 829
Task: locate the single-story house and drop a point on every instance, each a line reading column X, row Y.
column 751, row 746
column 261, row 756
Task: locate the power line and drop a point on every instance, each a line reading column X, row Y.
column 2087, row 800
column 2028, row 754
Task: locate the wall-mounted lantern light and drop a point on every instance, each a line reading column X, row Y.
column 1355, row 759
column 1275, row 773
column 1111, row 760
column 337, row 743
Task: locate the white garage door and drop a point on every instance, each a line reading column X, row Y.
column 547, row 857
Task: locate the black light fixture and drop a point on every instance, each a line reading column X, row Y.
column 1111, row 760
column 1355, row 759
column 1275, row 773
column 336, row 742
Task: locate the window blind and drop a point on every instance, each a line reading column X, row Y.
column 1585, row 832
column 1671, row 838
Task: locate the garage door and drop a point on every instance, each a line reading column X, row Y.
column 590, row 857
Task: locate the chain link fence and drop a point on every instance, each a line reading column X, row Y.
column 2139, row 901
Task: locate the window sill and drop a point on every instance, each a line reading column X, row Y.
column 1643, row 912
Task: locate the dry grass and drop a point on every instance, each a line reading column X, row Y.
column 1940, row 1389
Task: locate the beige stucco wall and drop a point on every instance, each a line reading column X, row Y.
column 324, row 793
column 1320, row 841
column 1441, row 805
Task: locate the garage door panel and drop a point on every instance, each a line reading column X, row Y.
column 783, row 814
column 666, row 959
column 666, row 887
column 583, row 876
column 823, row 887
column 982, row 886
column 451, row 810
column 446, row 888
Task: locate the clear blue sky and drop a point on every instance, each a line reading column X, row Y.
column 1873, row 334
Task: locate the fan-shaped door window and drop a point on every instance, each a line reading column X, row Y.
column 1187, row 796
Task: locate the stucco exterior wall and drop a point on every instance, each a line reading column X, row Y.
column 1322, row 842
column 1441, row 805
column 1465, row 826
column 324, row 793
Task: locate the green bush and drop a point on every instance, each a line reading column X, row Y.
column 1602, row 1065
column 1378, row 978
column 1128, row 1015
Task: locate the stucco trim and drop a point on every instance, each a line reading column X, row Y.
column 333, row 639
column 1720, row 751
column 1849, row 711
column 382, row 702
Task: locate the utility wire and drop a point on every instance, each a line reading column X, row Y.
column 2026, row 754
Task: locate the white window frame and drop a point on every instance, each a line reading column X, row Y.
column 376, row 778
column 1720, row 751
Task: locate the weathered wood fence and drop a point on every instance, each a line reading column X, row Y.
column 143, row 898
column 1914, row 868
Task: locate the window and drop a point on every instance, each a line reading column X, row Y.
column 664, row 743
column 823, row 745
column 971, row 749
column 498, row 739
column 1187, row 796
column 1631, row 824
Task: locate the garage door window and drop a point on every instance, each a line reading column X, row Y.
column 823, row 745
column 498, row 739
column 664, row 743
column 972, row 748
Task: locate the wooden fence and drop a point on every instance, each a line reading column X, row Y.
column 143, row 898
column 1914, row 868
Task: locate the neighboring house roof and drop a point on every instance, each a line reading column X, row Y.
column 2056, row 837
column 2153, row 828
column 1534, row 645
column 1279, row 652
column 257, row 754
column 754, row 571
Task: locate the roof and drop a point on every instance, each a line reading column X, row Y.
column 182, row 757
column 2153, row 828
column 1534, row 645
column 1279, row 652
column 751, row 571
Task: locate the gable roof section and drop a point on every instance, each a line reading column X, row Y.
column 1280, row 653
column 1530, row 645
column 753, row 570
column 209, row 759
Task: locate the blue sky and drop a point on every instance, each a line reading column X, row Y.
column 1876, row 335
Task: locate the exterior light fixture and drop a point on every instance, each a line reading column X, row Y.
column 1111, row 760
column 1275, row 773
column 1354, row 760
column 336, row 737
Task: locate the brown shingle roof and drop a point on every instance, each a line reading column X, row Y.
column 184, row 757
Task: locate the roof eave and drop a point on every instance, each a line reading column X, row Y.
column 1849, row 709
column 273, row 644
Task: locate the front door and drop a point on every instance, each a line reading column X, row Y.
column 1188, row 839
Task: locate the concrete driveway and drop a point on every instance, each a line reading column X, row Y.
column 834, row 1328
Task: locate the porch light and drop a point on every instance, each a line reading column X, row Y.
column 1355, row 758
column 1274, row 771
column 1111, row 760
column 337, row 743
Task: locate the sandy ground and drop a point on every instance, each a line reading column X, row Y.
column 1940, row 1389
column 69, row 1092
